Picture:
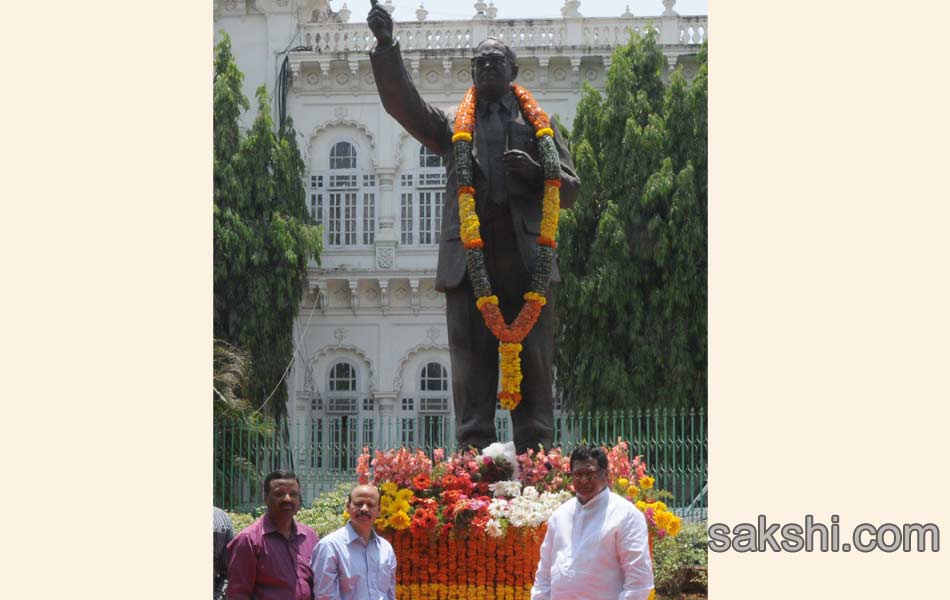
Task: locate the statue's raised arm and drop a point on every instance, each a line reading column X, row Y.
column 381, row 24
column 400, row 98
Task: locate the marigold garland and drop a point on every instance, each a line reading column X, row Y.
column 509, row 336
column 469, row 567
column 466, row 568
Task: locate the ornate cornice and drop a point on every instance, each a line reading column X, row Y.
column 224, row 8
column 343, row 349
column 346, row 123
column 408, row 356
column 397, row 150
column 398, row 157
column 274, row 6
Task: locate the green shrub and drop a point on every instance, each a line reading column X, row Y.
column 241, row 521
column 326, row 514
column 674, row 558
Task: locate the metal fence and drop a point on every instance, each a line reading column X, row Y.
column 323, row 451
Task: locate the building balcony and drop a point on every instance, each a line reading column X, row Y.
column 334, row 56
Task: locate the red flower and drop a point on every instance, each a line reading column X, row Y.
column 480, row 521
column 426, row 503
column 451, row 509
column 464, row 484
column 423, row 520
column 450, row 497
column 421, row 482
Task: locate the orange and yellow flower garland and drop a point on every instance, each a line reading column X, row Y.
column 452, row 566
column 449, row 566
column 509, row 336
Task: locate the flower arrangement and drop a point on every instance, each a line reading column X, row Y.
column 630, row 480
column 494, row 490
column 471, row 524
column 398, row 466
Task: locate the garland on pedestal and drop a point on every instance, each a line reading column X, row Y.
column 509, row 336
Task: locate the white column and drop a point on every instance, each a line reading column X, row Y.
column 386, row 397
column 573, row 23
column 386, row 239
column 281, row 22
column 669, row 24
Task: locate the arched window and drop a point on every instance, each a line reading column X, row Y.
column 342, row 402
column 421, row 201
column 429, row 159
column 351, row 199
column 342, row 388
column 343, row 156
column 434, row 404
column 434, row 378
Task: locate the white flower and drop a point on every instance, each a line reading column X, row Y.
column 508, row 489
column 498, row 508
column 500, row 450
column 518, row 519
column 520, row 511
column 538, row 517
column 531, row 509
column 554, row 500
column 493, row 528
column 504, row 451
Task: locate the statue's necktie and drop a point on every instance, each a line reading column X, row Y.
column 494, row 131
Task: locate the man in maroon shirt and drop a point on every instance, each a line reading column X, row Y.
column 270, row 560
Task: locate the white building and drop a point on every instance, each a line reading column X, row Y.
column 371, row 333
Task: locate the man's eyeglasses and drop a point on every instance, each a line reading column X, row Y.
column 585, row 475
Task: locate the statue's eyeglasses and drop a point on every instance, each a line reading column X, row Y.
column 494, row 60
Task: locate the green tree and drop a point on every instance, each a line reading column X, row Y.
column 230, row 376
column 236, row 426
column 632, row 305
column 263, row 235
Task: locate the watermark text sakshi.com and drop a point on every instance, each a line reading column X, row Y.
column 810, row 536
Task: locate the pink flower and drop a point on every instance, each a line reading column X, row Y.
column 400, row 466
column 618, row 461
column 641, row 470
column 362, row 466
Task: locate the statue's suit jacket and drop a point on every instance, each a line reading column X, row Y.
column 433, row 128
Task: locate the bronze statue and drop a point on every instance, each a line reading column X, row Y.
column 496, row 261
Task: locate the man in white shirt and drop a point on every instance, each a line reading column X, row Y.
column 353, row 563
column 596, row 546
